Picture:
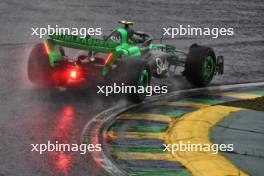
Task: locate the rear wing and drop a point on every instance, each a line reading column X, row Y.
column 87, row 43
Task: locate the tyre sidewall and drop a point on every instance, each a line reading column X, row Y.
column 39, row 69
column 194, row 65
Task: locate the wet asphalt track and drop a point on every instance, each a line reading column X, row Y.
column 28, row 115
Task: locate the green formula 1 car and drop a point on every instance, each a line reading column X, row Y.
column 124, row 55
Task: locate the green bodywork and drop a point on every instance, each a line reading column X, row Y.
column 122, row 48
column 118, row 49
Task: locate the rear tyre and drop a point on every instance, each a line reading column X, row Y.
column 200, row 65
column 39, row 69
column 135, row 72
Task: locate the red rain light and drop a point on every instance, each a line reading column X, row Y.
column 108, row 58
column 73, row 74
column 46, row 47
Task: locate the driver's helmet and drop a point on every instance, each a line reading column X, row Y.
column 126, row 23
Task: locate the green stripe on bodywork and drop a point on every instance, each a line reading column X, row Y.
column 158, row 172
column 136, row 148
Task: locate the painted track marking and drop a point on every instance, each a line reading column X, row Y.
column 194, row 128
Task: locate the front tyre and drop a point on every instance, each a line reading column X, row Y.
column 200, row 65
